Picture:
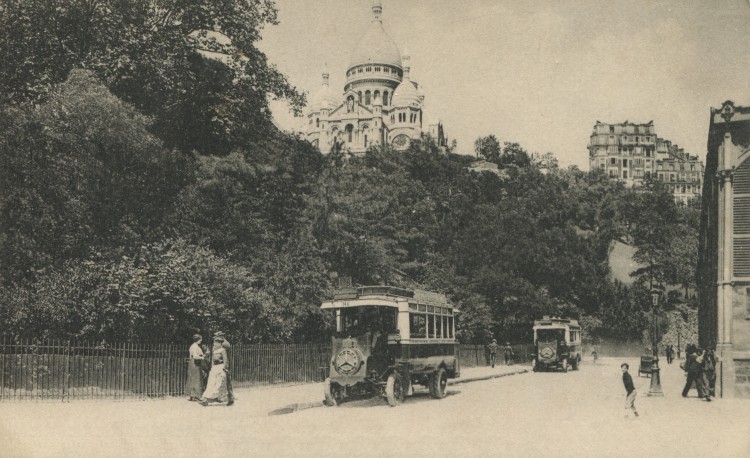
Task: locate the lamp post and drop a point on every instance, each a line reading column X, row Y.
column 655, row 389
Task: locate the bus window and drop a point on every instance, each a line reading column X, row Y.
column 359, row 320
column 445, row 327
column 430, row 326
column 417, row 325
column 450, row 327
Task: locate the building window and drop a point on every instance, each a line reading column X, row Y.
column 601, row 166
column 624, row 173
column 376, row 96
column 359, row 70
column 317, row 122
column 368, row 69
column 613, row 161
column 377, row 69
column 612, row 174
column 360, row 96
column 624, row 162
column 367, row 98
column 349, row 132
column 611, row 130
column 385, row 97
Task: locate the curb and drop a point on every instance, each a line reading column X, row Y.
column 485, row 377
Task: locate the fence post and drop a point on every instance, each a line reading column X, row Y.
column 66, row 376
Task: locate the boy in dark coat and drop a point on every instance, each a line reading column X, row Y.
column 627, row 380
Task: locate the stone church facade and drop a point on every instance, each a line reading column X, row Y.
column 380, row 104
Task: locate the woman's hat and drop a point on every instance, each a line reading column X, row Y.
column 196, row 337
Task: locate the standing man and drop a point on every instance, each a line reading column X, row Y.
column 709, row 371
column 508, row 353
column 226, row 345
column 492, row 349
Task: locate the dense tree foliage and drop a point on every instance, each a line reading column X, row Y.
column 146, row 195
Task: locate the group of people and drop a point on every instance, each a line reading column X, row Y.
column 208, row 376
column 700, row 366
column 493, row 349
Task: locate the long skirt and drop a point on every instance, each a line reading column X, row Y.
column 216, row 387
column 194, row 385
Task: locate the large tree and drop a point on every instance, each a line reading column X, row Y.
column 191, row 64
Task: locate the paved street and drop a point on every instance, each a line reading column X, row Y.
column 532, row 414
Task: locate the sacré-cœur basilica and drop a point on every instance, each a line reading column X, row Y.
column 380, row 104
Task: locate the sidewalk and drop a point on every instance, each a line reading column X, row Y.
column 473, row 374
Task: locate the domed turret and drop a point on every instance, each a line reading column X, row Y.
column 406, row 94
column 324, row 99
column 376, row 46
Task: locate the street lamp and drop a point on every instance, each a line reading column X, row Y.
column 655, row 389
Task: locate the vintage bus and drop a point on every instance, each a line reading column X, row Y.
column 387, row 341
column 557, row 344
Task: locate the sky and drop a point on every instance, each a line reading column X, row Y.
column 540, row 73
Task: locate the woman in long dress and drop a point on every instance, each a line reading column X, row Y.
column 216, row 387
column 194, row 387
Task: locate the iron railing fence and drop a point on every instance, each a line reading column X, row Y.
column 478, row 355
column 57, row 370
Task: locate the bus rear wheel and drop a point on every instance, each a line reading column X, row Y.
column 439, row 384
column 394, row 390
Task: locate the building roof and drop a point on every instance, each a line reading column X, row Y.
column 376, row 46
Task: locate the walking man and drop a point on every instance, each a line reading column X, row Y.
column 492, row 349
column 627, row 380
column 226, row 345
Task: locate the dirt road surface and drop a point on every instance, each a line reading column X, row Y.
column 533, row 414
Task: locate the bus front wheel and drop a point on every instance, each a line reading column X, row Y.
column 331, row 393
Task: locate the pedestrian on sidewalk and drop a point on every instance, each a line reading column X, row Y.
column 492, row 350
column 508, row 353
column 694, row 370
column 627, row 380
column 194, row 386
column 227, row 346
column 216, row 387
column 709, row 373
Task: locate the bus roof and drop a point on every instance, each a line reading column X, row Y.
column 555, row 322
column 389, row 296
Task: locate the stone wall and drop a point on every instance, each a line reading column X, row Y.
column 742, row 378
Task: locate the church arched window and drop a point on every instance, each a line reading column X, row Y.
column 317, row 122
column 385, row 98
column 349, row 132
column 376, row 96
column 367, row 98
column 360, row 96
